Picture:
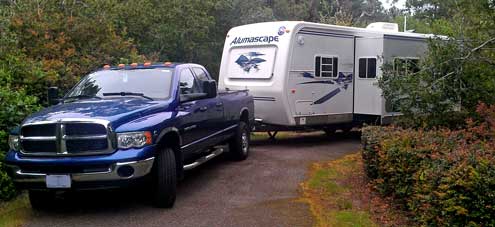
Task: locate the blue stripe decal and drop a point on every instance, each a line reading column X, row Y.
column 342, row 82
column 327, row 96
column 319, row 82
column 307, row 75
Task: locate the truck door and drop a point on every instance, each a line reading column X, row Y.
column 216, row 121
column 195, row 113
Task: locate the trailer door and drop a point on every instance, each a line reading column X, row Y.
column 368, row 60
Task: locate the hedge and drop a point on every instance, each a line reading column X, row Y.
column 16, row 104
column 444, row 177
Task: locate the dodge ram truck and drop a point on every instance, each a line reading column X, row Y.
column 139, row 123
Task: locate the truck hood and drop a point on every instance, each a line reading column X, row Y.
column 117, row 110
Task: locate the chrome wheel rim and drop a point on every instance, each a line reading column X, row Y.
column 244, row 142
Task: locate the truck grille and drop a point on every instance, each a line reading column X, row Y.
column 67, row 137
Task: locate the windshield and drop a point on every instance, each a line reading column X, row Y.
column 153, row 83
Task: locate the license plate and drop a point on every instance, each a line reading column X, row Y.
column 58, row 181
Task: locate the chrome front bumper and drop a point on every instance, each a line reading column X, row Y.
column 141, row 168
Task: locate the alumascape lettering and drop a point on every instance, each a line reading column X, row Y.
column 257, row 39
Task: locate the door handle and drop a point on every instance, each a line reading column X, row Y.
column 219, row 104
column 203, row 108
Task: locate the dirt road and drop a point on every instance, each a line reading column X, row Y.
column 261, row 191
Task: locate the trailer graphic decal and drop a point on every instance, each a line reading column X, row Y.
column 342, row 81
column 250, row 60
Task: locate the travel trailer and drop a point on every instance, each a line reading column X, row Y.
column 318, row 76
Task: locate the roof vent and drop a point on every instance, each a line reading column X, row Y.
column 383, row 26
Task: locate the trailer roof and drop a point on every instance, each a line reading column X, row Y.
column 296, row 25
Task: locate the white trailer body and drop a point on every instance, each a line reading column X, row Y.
column 313, row 75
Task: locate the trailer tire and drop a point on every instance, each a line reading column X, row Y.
column 329, row 132
column 239, row 144
column 165, row 179
column 41, row 200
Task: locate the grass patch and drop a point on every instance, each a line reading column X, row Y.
column 352, row 218
column 339, row 195
column 13, row 213
column 322, row 181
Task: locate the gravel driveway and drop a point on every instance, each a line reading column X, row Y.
column 261, row 191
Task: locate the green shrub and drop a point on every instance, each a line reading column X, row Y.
column 444, row 177
column 16, row 104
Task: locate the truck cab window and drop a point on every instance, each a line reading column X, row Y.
column 200, row 74
column 326, row 66
column 188, row 84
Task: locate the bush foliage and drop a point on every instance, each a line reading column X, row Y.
column 17, row 104
column 457, row 71
column 445, row 177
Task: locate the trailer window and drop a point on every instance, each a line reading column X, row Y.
column 251, row 62
column 326, row 66
column 367, row 67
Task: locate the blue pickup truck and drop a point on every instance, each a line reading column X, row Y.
column 139, row 123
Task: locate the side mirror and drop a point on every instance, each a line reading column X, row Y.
column 53, row 96
column 210, row 88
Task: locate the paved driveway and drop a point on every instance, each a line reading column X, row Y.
column 261, row 191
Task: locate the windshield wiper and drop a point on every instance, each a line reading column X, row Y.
column 82, row 97
column 128, row 94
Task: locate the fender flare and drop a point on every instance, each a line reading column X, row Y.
column 242, row 110
column 178, row 153
column 167, row 130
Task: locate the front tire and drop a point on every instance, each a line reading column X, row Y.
column 239, row 144
column 165, row 179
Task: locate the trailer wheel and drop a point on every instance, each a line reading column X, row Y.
column 329, row 132
column 165, row 179
column 41, row 200
column 239, row 144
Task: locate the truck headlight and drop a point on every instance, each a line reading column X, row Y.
column 14, row 142
column 133, row 139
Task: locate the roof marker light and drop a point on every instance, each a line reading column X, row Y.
column 121, row 65
column 106, row 67
column 167, row 63
column 147, row 64
column 134, row 65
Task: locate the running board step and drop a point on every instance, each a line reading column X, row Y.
column 204, row 159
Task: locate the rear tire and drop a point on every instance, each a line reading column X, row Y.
column 165, row 179
column 239, row 144
column 41, row 200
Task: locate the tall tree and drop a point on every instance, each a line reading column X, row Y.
column 352, row 12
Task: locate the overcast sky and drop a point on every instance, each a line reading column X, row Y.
column 388, row 3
